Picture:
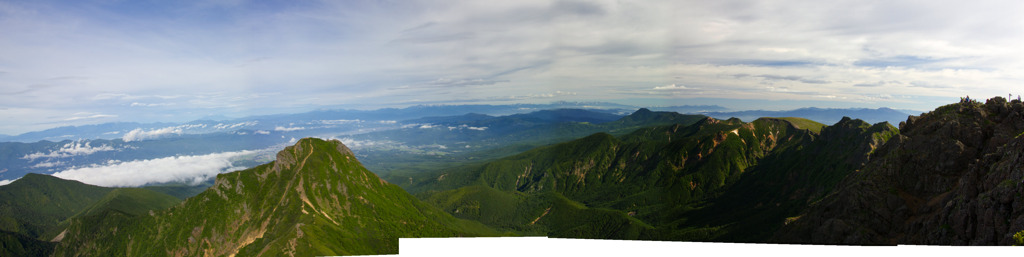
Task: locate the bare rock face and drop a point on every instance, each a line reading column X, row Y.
column 953, row 177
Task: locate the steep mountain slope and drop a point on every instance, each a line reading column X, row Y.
column 35, row 204
column 15, row 244
column 952, row 177
column 181, row 190
column 785, row 183
column 130, row 201
column 601, row 186
column 314, row 199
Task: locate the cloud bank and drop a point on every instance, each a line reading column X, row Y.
column 75, row 148
column 288, row 129
column 188, row 169
column 141, row 134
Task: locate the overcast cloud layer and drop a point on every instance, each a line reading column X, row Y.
column 81, row 62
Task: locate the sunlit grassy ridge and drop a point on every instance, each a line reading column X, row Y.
column 315, row 199
column 647, row 184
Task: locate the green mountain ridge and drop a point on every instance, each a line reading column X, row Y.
column 783, row 184
column 314, row 199
column 639, row 183
column 130, row 201
column 35, row 204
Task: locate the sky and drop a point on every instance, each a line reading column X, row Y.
column 94, row 61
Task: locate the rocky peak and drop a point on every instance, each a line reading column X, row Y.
column 845, row 127
column 642, row 112
column 708, row 121
column 288, row 157
column 942, row 180
column 849, row 122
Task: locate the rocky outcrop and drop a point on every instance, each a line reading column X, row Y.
column 952, row 177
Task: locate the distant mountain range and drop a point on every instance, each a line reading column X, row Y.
column 334, row 121
column 825, row 116
column 361, row 121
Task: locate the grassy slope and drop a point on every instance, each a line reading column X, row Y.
column 130, row 201
column 315, row 199
column 785, row 183
column 181, row 190
column 36, row 204
column 802, row 123
column 619, row 187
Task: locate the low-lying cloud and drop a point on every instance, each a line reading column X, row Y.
column 671, row 87
column 356, row 144
column 288, row 129
column 464, row 126
column 47, row 164
column 140, row 134
column 191, row 169
column 76, row 148
column 236, row 125
column 339, row 122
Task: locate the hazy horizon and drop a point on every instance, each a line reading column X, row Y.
column 89, row 62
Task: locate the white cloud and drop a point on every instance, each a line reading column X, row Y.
column 438, row 146
column 356, row 144
column 670, row 87
column 427, row 126
column 47, row 164
column 88, row 116
column 192, row 126
column 236, row 125
column 6, row 181
column 138, row 104
column 75, row 148
column 262, row 132
column 388, row 122
column 337, row 122
column 188, row 169
column 464, row 126
column 139, row 134
column 286, row 129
